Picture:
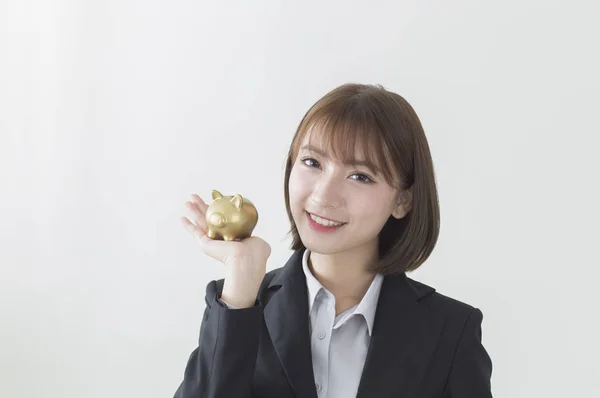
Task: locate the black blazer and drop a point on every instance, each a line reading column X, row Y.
column 423, row 344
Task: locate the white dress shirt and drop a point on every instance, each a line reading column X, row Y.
column 339, row 344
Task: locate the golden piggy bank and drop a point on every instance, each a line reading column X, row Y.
column 230, row 217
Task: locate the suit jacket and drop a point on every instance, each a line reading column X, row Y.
column 423, row 344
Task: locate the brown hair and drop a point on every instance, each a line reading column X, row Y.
column 394, row 144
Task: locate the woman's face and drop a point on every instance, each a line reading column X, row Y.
column 355, row 196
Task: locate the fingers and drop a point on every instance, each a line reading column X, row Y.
column 198, row 216
column 197, row 225
column 202, row 206
column 192, row 228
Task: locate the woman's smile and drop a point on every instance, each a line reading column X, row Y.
column 322, row 225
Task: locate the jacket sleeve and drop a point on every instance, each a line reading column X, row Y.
column 223, row 363
column 470, row 376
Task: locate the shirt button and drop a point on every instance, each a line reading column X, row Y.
column 321, row 335
column 318, row 387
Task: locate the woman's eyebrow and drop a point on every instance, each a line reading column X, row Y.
column 352, row 162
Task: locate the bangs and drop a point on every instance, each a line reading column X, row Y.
column 343, row 134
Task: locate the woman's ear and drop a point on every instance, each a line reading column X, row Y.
column 404, row 203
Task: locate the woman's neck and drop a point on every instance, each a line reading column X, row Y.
column 346, row 275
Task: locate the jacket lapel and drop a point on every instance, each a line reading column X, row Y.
column 286, row 317
column 405, row 333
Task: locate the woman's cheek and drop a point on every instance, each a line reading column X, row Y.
column 296, row 190
column 301, row 182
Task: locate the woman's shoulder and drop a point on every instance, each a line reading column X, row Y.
column 444, row 304
column 426, row 294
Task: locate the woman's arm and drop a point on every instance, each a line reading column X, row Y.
column 223, row 363
column 470, row 376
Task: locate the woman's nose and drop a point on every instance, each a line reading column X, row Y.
column 323, row 204
column 326, row 196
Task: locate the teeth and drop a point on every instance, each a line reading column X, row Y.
column 324, row 222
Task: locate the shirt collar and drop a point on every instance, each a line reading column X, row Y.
column 367, row 305
column 313, row 285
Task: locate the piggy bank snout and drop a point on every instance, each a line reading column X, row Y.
column 217, row 220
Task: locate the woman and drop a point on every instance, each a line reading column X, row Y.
column 341, row 318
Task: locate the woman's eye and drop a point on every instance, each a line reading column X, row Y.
column 365, row 179
column 309, row 159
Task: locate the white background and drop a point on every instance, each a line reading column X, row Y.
column 113, row 112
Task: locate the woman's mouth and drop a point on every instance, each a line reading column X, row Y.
column 322, row 225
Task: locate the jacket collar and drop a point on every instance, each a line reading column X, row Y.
column 366, row 307
column 404, row 334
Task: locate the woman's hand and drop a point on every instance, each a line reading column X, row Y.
column 245, row 260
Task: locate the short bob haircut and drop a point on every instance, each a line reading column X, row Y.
column 392, row 139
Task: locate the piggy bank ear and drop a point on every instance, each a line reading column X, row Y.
column 216, row 194
column 238, row 201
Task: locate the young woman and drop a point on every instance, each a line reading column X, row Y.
column 341, row 318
